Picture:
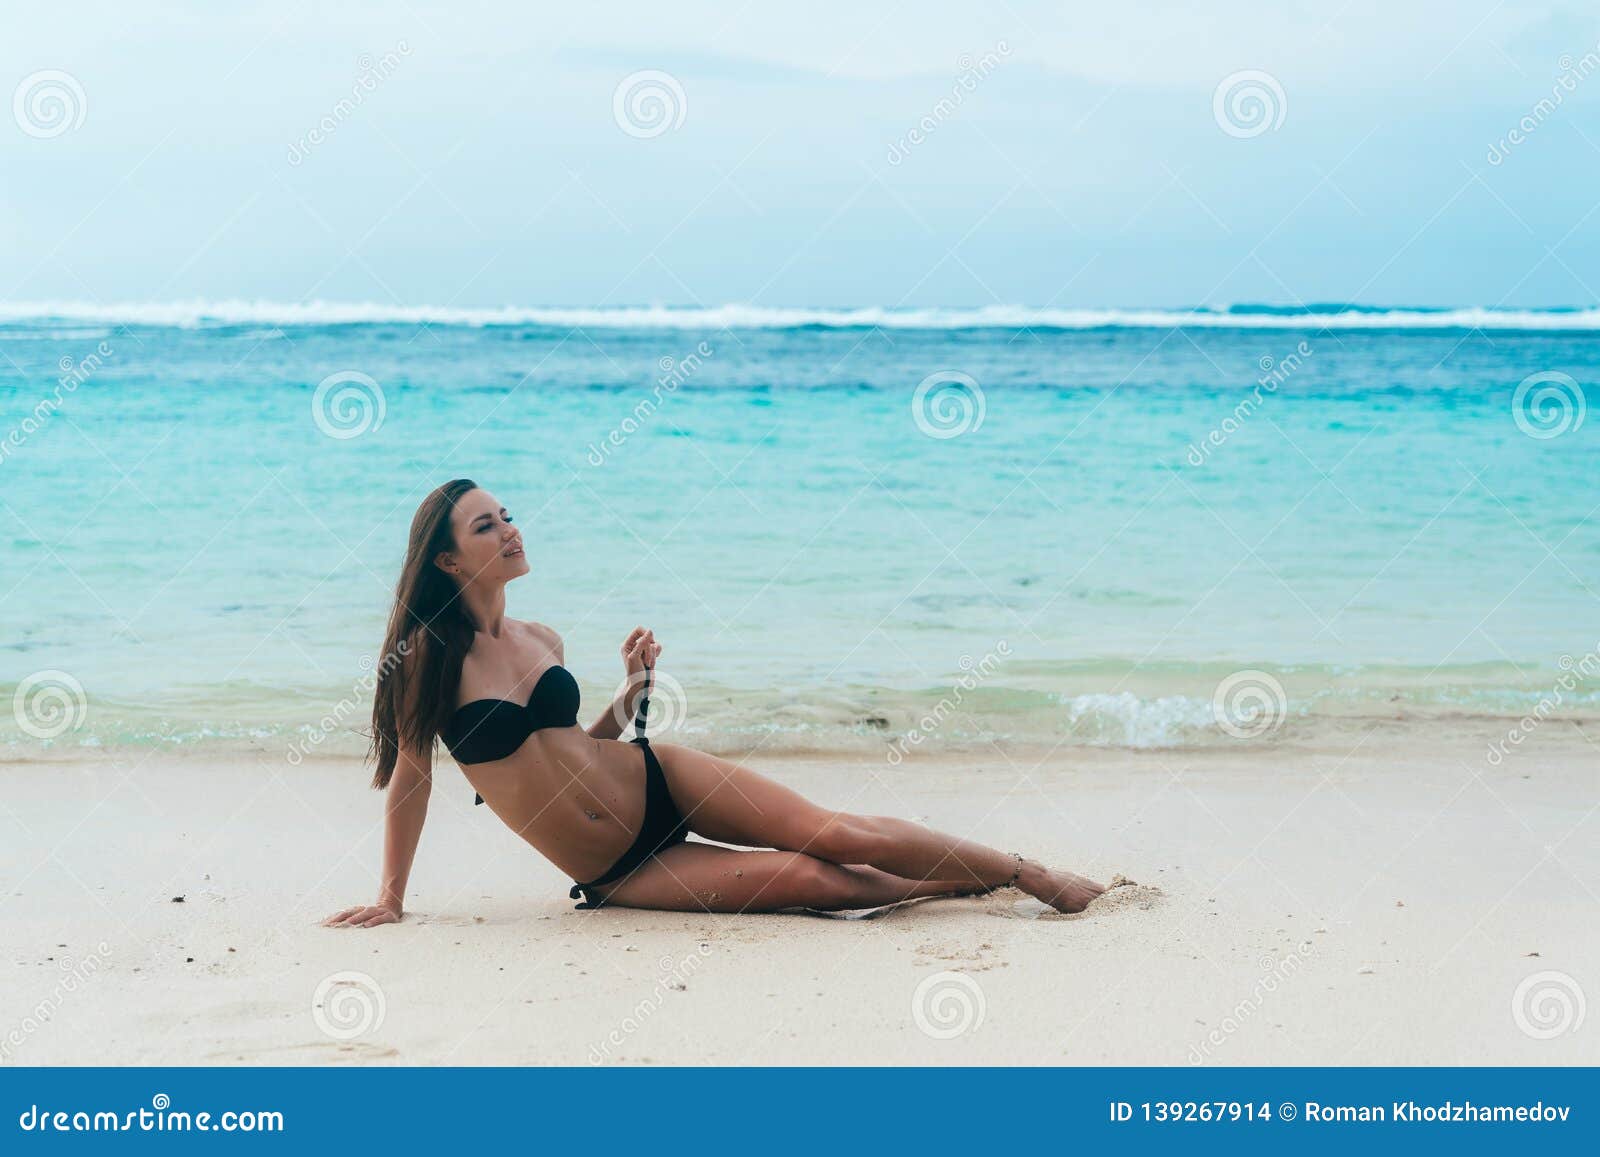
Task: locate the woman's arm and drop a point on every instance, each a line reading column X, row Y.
column 609, row 725
column 639, row 650
column 405, row 811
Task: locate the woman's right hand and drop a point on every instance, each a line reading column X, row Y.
column 364, row 916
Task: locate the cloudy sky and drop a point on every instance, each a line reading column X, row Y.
column 1067, row 154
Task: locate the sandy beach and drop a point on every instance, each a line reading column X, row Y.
column 1388, row 899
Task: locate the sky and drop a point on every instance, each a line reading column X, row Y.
column 827, row 154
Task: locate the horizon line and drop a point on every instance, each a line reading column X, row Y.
column 198, row 313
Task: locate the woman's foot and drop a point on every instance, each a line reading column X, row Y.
column 1063, row 891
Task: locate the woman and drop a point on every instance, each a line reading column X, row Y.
column 613, row 814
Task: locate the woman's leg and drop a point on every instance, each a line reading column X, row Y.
column 732, row 804
column 697, row 877
column 938, row 887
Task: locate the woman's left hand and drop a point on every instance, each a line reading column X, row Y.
column 639, row 650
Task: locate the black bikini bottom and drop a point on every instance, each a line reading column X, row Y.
column 663, row 827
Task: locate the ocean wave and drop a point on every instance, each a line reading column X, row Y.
column 1126, row 720
column 199, row 314
column 54, row 334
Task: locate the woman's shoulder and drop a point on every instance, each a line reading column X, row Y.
column 541, row 633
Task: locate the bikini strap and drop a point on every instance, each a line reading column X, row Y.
column 644, row 704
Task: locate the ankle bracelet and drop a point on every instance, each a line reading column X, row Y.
column 1017, row 875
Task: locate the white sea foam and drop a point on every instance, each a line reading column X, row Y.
column 1125, row 720
column 192, row 314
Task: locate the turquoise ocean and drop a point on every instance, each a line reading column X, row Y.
column 846, row 526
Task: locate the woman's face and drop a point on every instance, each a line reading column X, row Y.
column 488, row 548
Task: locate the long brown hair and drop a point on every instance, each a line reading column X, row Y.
column 429, row 634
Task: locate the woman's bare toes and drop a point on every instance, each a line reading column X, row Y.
column 1065, row 891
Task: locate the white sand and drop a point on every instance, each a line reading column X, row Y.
column 1304, row 904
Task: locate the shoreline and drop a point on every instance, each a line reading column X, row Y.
column 871, row 743
column 1377, row 902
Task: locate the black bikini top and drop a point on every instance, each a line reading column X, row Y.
column 490, row 729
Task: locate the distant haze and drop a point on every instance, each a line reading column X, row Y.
column 1047, row 155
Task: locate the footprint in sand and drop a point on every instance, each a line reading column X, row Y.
column 970, row 958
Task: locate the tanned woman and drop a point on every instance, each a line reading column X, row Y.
column 614, row 815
